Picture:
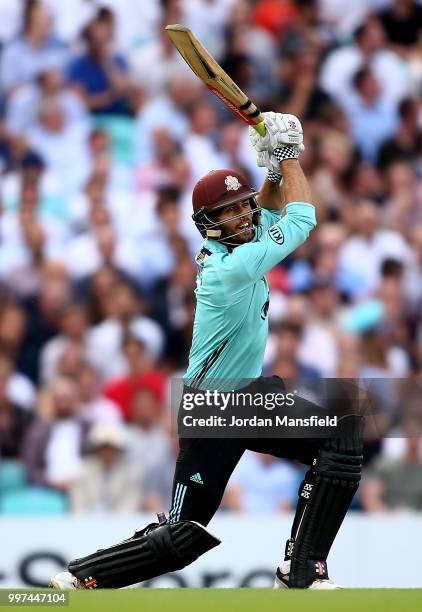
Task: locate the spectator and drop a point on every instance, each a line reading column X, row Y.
column 100, row 245
column 369, row 49
column 198, row 145
column 12, row 332
column 318, row 349
column 53, row 447
column 43, row 317
column 106, row 338
column 329, row 240
column 14, row 420
column 73, row 326
column 299, row 90
column 337, row 157
column 141, row 375
column 182, row 93
column 100, row 75
column 395, row 484
column 62, row 143
column 24, row 104
column 379, row 360
column 95, row 407
column 15, row 156
column 344, row 23
column 362, row 253
column 100, row 290
column 107, row 481
column 160, row 53
column 154, row 173
column 156, row 257
column 71, row 360
column 245, row 66
column 403, row 24
column 274, row 16
column 372, row 120
column 158, row 482
column 12, row 327
column 10, row 20
column 403, row 207
column 261, row 483
column 286, row 363
column 30, row 235
column 413, row 275
column 149, row 445
column 404, row 143
column 211, row 30
column 173, row 308
column 33, row 51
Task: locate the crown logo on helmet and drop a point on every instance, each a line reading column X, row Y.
column 232, row 183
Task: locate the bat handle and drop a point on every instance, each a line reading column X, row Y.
column 260, row 128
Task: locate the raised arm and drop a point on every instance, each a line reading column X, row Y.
column 271, row 196
column 278, row 151
column 296, row 186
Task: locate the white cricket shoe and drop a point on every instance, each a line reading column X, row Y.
column 326, row 584
column 65, row 581
column 282, row 574
column 281, row 580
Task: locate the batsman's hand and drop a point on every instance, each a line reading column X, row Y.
column 281, row 130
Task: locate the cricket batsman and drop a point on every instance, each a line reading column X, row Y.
column 245, row 233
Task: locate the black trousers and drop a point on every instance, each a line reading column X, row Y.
column 205, row 465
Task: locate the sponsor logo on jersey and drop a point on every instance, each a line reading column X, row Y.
column 197, row 478
column 276, row 234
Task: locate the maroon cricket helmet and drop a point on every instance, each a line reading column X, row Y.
column 214, row 191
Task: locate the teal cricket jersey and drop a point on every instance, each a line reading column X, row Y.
column 230, row 329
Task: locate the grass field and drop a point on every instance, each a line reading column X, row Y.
column 245, row 600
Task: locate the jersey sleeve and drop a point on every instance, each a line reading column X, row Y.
column 249, row 262
column 269, row 218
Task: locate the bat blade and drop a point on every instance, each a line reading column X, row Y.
column 214, row 77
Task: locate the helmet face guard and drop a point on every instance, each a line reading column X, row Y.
column 209, row 227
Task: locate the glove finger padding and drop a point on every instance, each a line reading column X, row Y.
column 290, row 126
column 265, row 160
column 280, row 130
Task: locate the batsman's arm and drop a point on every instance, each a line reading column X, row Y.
column 270, row 196
column 296, row 186
column 249, row 262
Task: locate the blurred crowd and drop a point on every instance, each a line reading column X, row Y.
column 103, row 134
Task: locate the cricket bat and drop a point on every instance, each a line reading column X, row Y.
column 213, row 76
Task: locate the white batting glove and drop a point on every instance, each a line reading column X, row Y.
column 281, row 130
column 272, row 162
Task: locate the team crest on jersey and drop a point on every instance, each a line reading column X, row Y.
column 232, row 183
